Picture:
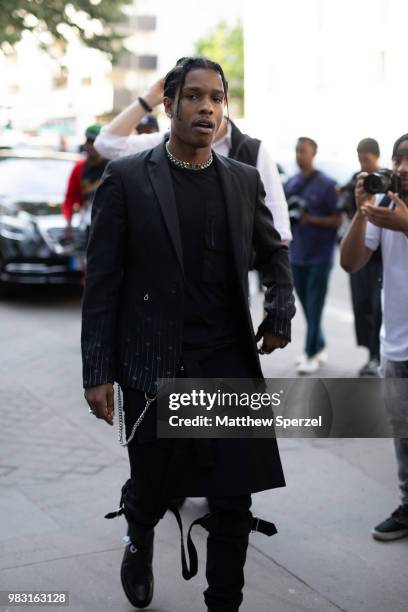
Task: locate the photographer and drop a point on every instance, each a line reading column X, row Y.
column 365, row 284
column 312, row 201
column 376, row 225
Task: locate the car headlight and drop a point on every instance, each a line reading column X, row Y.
column 15, row 228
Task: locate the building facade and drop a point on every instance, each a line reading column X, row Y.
column 329, row 70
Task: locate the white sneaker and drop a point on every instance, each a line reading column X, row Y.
column 300, row 359
column 322, row 357
column 309, row 366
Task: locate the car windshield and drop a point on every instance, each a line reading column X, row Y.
column 29, row 182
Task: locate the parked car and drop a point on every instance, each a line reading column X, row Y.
column 33, row 247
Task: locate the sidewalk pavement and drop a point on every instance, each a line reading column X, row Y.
column 61, row 471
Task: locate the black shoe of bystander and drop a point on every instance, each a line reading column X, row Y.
column 394, row 527
column 370, row 368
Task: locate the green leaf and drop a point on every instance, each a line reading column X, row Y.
column 39, row 16
column 225, row 45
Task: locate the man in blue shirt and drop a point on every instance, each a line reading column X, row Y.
column 312, row 200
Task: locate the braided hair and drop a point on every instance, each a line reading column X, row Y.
column 397, row 144
column 175, row 78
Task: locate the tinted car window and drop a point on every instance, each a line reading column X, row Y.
column 34, row 179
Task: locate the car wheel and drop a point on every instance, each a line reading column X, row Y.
column 4, row 287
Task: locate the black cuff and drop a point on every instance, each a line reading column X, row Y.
column 93, row 378
column 274, row 326
column 144, row 105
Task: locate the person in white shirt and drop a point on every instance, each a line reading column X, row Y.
column 118, row 139
column 375, row 226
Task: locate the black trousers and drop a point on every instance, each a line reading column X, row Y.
column 366, row 298
column 156, row 466
column 227, row 545
column 228, row 525
column 146, row 500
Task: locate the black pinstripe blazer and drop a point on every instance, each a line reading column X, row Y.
column 132, row 312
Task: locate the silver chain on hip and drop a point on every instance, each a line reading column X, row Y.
column 121, row 417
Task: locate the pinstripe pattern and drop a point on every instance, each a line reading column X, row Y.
column 153, row 352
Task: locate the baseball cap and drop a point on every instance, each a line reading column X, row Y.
column 149, row 120
column 92, row 131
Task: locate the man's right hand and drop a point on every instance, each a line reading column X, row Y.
column 362, row 197
column 68, row 233
column 154, row 96
column 100, row 400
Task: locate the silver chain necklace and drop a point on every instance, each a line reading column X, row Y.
column 121, row 418
column 188, row 165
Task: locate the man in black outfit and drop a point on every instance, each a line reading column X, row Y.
column 174, row 232
column 365, row 284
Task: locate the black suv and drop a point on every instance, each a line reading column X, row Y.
column 33, row 246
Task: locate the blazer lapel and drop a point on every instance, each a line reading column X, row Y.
column 158, row 169
column 233, row 199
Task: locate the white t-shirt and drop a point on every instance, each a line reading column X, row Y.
column 394, row 297
column 112, row 146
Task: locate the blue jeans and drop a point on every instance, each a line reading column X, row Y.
column 398, row 411
column 311, row 283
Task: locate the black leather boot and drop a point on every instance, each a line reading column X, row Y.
column 136, row 572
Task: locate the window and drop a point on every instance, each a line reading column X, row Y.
column 86, row 81
column 127, row 60
column 14, row 89
column 60, row 80
column 147, row 62
column 122, row 98
column 130, row 61
column 146, row 22
column 21, row 177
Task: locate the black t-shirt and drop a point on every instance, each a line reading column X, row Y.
column 209, row 320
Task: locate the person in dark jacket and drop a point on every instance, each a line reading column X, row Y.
column 311, row 194
column 174, row 231
column 83, row 181
column 365, row 284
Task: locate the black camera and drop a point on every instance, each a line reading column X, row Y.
column 297, row 207
column 381, row 182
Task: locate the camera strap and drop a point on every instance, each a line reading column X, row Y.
column 384, row 202
column 305, row 183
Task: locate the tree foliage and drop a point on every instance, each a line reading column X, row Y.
column 225, row 45
column 54, row 21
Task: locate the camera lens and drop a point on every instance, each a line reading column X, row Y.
column 377, row 183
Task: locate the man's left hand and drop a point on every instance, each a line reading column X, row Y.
column 270, row 342
column 395, row 219
column 305, row 218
